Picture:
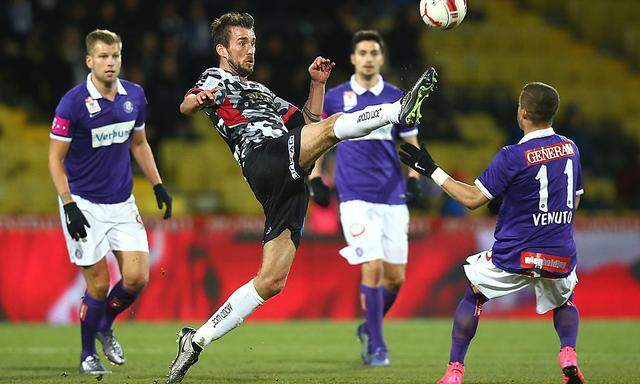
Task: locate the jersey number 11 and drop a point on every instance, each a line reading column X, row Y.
column 544, row 183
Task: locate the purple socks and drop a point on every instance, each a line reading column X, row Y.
column 373, row 311
column 388, row 298
column 465, row 323
column 118, row 300
column 566, row 320
column 91, row 313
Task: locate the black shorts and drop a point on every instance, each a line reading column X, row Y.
column 278, row 183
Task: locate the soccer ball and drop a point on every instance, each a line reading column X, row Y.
column 443, row 14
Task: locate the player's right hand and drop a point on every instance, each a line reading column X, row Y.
column 75, row 221
column 418, row 159
column 206, row 98
column 320, row 193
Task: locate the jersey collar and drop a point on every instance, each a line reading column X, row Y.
column 93, row 91
column 537, row 134
column 359, row 89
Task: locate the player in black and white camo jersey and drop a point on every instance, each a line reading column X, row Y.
column 276, row 144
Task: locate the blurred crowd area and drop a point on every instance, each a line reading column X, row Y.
column 483, row 64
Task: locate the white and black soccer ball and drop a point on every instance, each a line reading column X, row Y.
column 443, row 14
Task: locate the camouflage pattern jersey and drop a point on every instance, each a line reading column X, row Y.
column 246, row 113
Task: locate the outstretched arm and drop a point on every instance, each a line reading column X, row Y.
column 420, row 160
column 319, row 70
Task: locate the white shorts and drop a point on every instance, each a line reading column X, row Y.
column 494, row 282
column 374, row 231
column 114, row 227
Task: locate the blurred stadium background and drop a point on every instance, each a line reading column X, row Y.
column 212, row 244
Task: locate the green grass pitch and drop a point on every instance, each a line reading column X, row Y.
column 327, row 352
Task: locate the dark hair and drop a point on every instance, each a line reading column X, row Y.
column 220, row 26
column 541, row 102
column 103, row 35
column 368, row 35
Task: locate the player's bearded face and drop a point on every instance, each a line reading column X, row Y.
column 367, row 58
column 241, row 50
column 105, row 61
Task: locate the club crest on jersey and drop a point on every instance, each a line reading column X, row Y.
column 93, row 107
column 545, row 154
column 128, row 106
column 349, row 100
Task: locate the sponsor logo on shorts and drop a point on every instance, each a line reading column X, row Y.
column 78, row 253
column 550, row 263
column 292, row 162
column 357, row 229
column 224, row 312
column 359, row 252
column 369, row 115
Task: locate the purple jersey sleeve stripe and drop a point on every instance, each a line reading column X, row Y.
column 484, row 190
column 140, row 127
column 579, row 192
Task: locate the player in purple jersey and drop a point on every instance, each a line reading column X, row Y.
column 372, row 193
column 97, row 125
column 276, row 146
column 539, row 181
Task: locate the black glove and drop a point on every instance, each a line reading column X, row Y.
column 75, row 221
column 320, row 193
column 162, row 196
column 414, row 190
column 418, row 159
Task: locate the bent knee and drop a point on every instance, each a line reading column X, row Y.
column 135, row 282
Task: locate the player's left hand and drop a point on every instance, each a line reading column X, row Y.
column 414, row 190
column 162, row 196
column 418, row 159
column 320, row 69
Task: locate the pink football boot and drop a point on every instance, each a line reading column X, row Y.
column 569, row 363
column 454, row 374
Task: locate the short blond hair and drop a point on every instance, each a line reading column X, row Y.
column 103, row 35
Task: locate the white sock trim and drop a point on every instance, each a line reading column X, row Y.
column 439, row 176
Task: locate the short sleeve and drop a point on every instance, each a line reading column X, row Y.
column 142, row 111
column 328, row 107
column 61, row 127
column 210, row 80
column 497, row 177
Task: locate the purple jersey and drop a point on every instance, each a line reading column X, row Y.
column 98, row 163
column 538, row 180
column 368, row 168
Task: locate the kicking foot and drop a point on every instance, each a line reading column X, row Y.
column 454, row 374
column 91, row 365
column 187, row 356
column 568, row 359
column 111, row 347
column 412, row 100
